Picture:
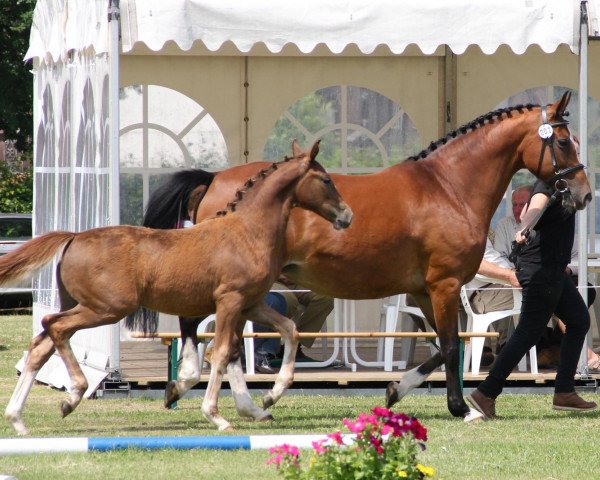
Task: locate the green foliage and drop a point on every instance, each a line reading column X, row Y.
column 16, row 191
column 16, row 82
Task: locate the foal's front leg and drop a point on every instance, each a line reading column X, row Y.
column 265, row 315
column 226, row 355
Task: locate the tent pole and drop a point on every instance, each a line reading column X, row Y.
column 114, row 161
column 583, row 150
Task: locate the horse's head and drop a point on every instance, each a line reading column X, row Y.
column 552, row 153
column 316, row 191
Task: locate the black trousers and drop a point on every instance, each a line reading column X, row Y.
column 547, row 289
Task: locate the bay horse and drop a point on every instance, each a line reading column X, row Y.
column 419, row 226
column 224, row 265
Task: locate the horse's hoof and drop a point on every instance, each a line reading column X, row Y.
column 66, row 408
column 268, row 401
column 171, row 394
column 391, row 394
column 474, row 416
column 17, row 424
column 266, row 418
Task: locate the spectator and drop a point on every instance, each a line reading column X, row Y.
column 308, row 309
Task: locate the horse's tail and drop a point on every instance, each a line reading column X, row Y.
column 23, row 262
column 168, row 205
column 142, row 320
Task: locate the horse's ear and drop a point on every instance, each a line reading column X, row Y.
column 561, row 105
column 314, row 151
column 296, row 150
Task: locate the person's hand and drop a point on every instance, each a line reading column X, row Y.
column 513, row 280
column 568, row 271
column 519, row 237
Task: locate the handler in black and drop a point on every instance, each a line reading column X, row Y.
column 547, row 289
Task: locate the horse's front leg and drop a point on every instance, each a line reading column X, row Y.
column 226, row 349
column 445, row 299
column 188, row 372
column 265, row 315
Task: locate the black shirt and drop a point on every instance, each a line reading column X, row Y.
column 554, row 233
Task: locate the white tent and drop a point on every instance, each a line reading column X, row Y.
column 163, row 78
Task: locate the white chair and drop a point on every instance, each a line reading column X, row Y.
column 479, row 323
column 395, row 307
column 248, row 344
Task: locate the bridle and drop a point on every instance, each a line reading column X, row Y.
column 546, row 132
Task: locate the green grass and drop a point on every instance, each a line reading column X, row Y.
column 531, row 441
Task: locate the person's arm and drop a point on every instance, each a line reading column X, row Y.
column 531, row 214
column 504, row 236
column 492, row 270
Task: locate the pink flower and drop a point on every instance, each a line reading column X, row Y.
column 318, row 446
column 382, row 412
column 276, row 460
column 355, row 427
column 336, row 437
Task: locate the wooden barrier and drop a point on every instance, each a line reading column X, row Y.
column 171, row 340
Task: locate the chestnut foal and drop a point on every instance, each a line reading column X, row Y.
column 225, row 265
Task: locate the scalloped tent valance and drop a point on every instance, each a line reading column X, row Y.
column 60, row 26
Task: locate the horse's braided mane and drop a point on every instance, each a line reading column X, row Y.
column 472, row 125
column 251, row 182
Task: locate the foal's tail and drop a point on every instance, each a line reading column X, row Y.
column 167, row 208
column 23, row 262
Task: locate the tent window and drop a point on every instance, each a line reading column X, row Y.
column 361, row 130
column 162, row 130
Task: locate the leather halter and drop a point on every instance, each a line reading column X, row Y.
column 546, row 132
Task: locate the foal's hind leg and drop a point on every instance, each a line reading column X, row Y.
column 188, row 373
column 265, row 315
column 61, row 327
column 40, row 350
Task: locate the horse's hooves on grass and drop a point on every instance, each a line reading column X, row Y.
column 391, row 394
column 266, row 418
column 474, row 416
column 17, row 424
column 171, row 394
column 65, row 409
column 268, row 402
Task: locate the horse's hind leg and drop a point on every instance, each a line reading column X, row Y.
column 396, row 391
column 61, row 327
column 410, row 380
column 265, row 315
column 188, row 373
column 40, row 350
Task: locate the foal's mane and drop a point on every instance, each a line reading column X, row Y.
column 471, row 126
column 250, row 183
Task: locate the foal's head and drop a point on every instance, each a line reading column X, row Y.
column 552, row 153
column 315, row 190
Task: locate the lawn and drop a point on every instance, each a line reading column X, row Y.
column 531, row 441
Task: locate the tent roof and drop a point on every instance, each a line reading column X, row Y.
column 62, row 25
